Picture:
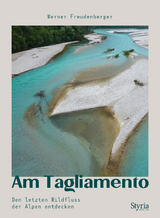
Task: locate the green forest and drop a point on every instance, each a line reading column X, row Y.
column 27, row 37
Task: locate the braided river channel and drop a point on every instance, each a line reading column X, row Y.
column 77, row 143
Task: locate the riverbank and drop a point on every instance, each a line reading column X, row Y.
column 34, row 58
column 37, row 57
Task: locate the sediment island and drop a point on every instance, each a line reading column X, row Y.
column 127, row 101
column 34, row 58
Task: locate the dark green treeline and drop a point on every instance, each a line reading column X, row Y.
column 27, row 37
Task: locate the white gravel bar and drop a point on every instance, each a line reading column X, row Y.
column 36, row 57
column 94, row 38
column 128, row 101
column 139, row 36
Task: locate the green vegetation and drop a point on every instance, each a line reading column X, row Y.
column 109, row 50
column 127, row 53
column 138, row 83
column 27, row 37
column 104, row 37
column 116, row 56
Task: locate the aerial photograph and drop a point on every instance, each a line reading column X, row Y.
column 80, row 101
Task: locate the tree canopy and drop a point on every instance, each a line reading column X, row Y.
column 27, row 37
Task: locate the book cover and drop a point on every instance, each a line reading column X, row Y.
column 79, row 109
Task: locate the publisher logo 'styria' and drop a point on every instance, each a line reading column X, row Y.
column 140, row 207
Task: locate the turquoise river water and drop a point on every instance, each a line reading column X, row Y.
column 42, row 148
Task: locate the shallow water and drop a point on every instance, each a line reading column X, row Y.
column 96, row 130
column 135, row 159
column 42, row 148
